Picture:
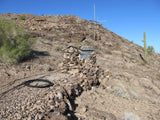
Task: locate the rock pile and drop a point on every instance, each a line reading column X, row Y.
column 71, row 60
column 88, row 70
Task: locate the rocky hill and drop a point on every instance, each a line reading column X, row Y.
column 118, row 85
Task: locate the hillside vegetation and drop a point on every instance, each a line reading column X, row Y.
column 15, row 44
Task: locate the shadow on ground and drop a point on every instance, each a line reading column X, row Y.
column 37, row 54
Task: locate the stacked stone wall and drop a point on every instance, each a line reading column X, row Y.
column 87, row 70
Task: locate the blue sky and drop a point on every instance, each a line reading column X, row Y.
column 127, row 18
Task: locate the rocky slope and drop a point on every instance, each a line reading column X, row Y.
column 128, row 89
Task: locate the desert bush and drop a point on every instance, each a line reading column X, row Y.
column 150, row 49
column 122, row 39
column 79, row 43
column 15, row 45
column 118, row 44
column 22, row 17
column 58, row 48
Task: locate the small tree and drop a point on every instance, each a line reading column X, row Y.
column 15, row 44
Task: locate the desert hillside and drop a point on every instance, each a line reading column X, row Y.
column 113, row 84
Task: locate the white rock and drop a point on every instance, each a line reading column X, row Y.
column 130, row 116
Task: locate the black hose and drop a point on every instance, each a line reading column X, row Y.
column 28, row 84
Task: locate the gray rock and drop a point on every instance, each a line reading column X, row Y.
column 83, row 110
column 117, row 53
column 101, row 115
column 133, row 94
column 119, row 91
column 130, row 116
column 60, row 95
column 47, row 67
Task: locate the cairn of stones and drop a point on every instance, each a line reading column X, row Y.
column 70, row 59
column 87, row 70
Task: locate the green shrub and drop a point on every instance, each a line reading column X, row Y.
column 79, row 43
column 22, row 17
column 118, row 44
column 15, row 45
column 58, row 48
column 150, row 50
column 122, row 39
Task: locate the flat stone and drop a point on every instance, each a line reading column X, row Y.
column 130, row 116
column 86, row 48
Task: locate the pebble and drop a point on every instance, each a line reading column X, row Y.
column 60, row 95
